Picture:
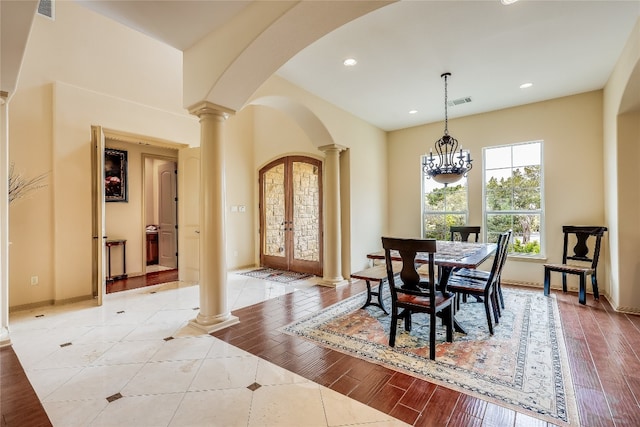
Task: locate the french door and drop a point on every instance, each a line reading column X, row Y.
column 291, row 215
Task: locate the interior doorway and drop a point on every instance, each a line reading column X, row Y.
column 160, row 213
column 291, row 215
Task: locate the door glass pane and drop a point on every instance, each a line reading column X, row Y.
column 274, row 210
column 306, row 212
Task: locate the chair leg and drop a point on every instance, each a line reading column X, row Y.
column 594, row 284
column 487, row 310
column 392, row 328
column 582, row 293
column 448, row 315
column 496, row 307
column 407, row 320
column 547, row 281
column 564, row 282
column 500, row 293
column 432, row 336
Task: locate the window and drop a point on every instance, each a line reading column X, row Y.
column 442, row 207
column 513, row 195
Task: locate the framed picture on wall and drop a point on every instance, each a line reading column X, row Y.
column 115, row 175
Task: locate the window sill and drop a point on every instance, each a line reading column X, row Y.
column 538, row 258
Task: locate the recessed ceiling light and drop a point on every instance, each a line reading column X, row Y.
column 526, row 85
column 350, row 62
column 413, row 111
column 508, row 2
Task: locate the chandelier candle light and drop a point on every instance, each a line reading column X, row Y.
column 444, row 168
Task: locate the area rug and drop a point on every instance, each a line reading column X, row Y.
column 523, row 366
column 275, row 275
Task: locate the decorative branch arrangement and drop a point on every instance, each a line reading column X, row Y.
column 20, row 187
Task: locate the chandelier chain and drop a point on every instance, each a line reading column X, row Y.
column 446, row 115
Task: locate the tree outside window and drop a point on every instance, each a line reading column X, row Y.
column 513, row 197
column 442, row 207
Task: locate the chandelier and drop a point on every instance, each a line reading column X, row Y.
column 449, row 164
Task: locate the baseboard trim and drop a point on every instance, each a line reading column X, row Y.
column 49, row 302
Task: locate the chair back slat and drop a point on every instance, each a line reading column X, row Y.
column 501, row 253
column 464, row 231
column 581, row 250
column 408, row 249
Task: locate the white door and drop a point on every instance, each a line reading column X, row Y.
column 167, row 213
column 189, row 214
column 99, row 278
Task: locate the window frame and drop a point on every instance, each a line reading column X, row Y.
column 541, row 211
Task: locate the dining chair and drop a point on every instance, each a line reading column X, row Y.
column 463, row 232
column 412, row 293
column 586, row 264
column 486, row 288
column 484, row 275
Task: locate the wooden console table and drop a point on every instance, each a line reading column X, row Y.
column 109, row 244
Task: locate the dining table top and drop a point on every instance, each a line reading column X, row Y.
column 450, row 254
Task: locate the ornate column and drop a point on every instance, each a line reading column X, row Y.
column 4, row 220
column 214, row 314
column 332, row 269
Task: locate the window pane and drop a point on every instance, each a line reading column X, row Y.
column 526, row 154
column 513, row 183
column 499, row 199
column 499, row 157
column 437, row 226
column 526, row 234
column 526, row 199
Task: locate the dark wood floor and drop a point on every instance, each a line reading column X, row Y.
column 141, row 281
column 18, row 401
column 603, row 347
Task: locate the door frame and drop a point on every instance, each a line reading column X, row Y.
column 288, row 262
column 98, row 137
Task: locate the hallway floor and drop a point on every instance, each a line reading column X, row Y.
column 135, row 362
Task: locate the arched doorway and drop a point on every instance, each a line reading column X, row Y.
column 291, row 215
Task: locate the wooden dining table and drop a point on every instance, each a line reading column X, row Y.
column 448, row 256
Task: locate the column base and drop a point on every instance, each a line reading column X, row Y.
column 333, row 283
column 5, row 339
column 208, row 328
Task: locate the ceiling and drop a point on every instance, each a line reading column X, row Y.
column 562, row 47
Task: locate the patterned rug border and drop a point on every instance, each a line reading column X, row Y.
column 274, row 275
column 391, row 359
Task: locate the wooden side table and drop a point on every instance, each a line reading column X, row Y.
column 109, row 244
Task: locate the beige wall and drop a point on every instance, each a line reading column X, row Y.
column 620, row 153
column 629, row 218
column 571, row 129
column 67, row 84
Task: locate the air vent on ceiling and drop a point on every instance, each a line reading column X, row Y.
column 459, row 101
column 45, row 8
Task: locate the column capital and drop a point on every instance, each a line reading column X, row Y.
column 209, row 108
column 332, row 147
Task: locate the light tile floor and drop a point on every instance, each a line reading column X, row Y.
column 134, row 361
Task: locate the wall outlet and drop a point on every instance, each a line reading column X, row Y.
column 34, row 280
column 242, row 208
